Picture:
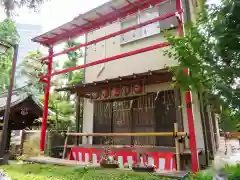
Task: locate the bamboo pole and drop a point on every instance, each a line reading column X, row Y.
column 178, row 134
column 231, row 135
column 177, row 147
column 65, row 143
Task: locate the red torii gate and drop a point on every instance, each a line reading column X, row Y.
column 93, row 20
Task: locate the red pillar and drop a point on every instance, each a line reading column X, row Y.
column 46, row 98
column 192, row 135
column 188, row 100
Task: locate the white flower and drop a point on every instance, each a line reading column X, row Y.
column 3, row 176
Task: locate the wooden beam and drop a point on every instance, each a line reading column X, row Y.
column 77, row 118
column 178, row 134
column 178, row 105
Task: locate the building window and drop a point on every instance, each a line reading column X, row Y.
column 131, row 35
column 151, row 29
column 164, row 8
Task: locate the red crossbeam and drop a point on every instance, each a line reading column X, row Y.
column 160, row 18
column 112, row 58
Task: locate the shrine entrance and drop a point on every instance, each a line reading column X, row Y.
column 153, row 112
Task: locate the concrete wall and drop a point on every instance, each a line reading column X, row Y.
column 152, row 60
column 196, row 117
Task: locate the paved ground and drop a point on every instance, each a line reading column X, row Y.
column 228, row 153
column 231, row 147
column 54, row 161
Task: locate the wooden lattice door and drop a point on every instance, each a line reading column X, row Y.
column 122, row 121
column 165, row 116
column 143, row 118
column 102, row 120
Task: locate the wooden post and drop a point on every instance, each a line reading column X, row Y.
column 177, row 99
column 65, row 144
column 177, row 147
column 49, row 147
column 77, row 118
column 87, row 137
column 179, row 134
column 22, row 142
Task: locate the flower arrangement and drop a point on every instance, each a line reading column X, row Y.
column 108, row 158
column 145, row 167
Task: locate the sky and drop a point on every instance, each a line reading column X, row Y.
column 54, row 13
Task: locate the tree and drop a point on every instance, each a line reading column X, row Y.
column 32, row 68
column 76, row 76
column 10, row 5
column 210, row 49
column 60, row 103
column 63, row 111
column 229, row 120
column 8, row 32
column 73, row 57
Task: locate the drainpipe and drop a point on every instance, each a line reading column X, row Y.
column 85, row 59
column 204, row 128
column 80, row 103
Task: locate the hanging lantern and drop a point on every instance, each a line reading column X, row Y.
column 105, row 93
column 137, row 88
column 125, row 90
column 115, row 91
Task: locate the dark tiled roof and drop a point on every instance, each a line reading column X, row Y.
column 18, row 96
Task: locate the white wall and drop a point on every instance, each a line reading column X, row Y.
column 130, row 41
column 196, row 118
column 87, row 120
column 152, row 60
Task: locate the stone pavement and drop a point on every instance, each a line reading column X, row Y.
column 228, row 153
column 55, row 161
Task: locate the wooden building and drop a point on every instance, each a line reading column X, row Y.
column 25, row 108
column 126, row 85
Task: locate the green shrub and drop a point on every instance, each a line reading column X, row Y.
column 43, row 172
column 234, row 172
column 200, row 176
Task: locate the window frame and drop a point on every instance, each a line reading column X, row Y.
column 139, row 30
column 160, row 26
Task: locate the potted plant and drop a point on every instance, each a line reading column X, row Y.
column 109, row 158
column 145, row 167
